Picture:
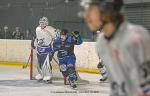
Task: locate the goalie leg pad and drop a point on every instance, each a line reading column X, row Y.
column 47, row 68
column 44, row 66
column 41, row 58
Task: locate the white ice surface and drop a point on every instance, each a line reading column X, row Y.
column 14, row 81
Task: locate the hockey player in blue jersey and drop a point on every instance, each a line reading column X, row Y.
column 64, row 44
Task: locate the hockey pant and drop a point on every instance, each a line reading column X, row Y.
column 67, row 67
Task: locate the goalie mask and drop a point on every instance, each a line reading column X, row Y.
column 43, row 22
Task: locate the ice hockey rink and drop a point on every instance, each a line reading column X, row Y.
column 14, row 81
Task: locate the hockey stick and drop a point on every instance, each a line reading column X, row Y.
column 26, row 65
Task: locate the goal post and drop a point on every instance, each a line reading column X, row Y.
column 31, row 64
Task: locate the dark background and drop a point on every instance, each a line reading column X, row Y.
column 62, row 14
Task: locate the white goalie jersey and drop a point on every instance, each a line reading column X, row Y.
column 44, row 37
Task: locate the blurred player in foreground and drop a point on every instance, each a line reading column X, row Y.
column 64, row 44
column 43, row 45
column 123, row 46
column 96, row 21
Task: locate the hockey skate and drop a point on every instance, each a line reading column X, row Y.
column 39, row 78
column 73, row 85
column 47, row 79
column 103, row 79
column 104, row 76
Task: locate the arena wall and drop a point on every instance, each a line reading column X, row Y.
column 17, row 52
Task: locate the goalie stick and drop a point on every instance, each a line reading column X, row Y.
column 26, row 65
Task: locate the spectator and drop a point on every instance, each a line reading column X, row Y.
column 17, row 34
column 6, row 34
column 28, row 35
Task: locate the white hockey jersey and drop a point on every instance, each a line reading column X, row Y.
column 45, row 36
column 125, row 56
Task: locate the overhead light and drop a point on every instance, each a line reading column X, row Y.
column 8, row 5
column 66, row 1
